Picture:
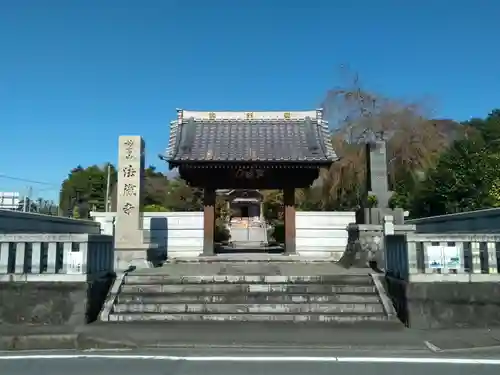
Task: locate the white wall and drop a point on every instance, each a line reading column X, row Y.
column 322, row 234
column 179, row 234
column 318, row 234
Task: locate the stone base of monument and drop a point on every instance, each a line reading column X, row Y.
column 136, row 257
column 366, row 243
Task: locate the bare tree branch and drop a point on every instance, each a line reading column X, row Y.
column 356, row 116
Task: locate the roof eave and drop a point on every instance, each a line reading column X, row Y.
column 309, row 163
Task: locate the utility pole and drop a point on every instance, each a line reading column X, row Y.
column 27, row 198
column 108, row 182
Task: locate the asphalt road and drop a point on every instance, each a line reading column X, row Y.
column 168, row 367
column 163, row 363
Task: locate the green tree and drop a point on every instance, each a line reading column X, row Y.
column 85, row 187
column 156, row 186
column 181, row 197
column 489, row 128
column 154, row 208
column 273, row 205
column 464, row 179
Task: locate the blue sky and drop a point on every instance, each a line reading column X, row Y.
column 75, row 74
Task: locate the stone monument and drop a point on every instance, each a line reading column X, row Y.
column 130, row 249
column 366, row 238
column 378, row 185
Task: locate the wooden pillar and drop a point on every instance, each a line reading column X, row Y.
column 208, row 221
column 289, row 205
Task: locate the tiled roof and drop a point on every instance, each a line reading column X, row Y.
column 250, row 140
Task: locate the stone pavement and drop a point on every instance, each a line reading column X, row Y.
column 220, row 334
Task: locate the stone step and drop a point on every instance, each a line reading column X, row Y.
column 254, row 245
column 215, row 308
column 350, row 318
column 247, row 288
column 247, row 298
column 245, row 266
column 250, row 279
column 251, row 258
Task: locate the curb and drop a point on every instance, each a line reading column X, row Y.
column 60, row 342
column 82, row 341
column 38, row 342
column 436, row 349
column 87, row 342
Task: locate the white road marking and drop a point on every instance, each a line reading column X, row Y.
column 432, row 347
column 107, row 350
column 471, row 361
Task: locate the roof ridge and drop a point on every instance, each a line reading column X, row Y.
column 188, row 120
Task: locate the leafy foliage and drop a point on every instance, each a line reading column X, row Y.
column 154, row 208
column 85, row 188
column 466, row 176
column 181, row 197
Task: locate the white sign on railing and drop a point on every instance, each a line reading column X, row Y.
column 451, row 257
column 75, row 263
column 443, row 257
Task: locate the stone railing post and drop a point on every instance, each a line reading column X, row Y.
column 52, row 257
column 476, row 257
column 4, row 257
column 20, row 257
column 492, row 257
column 100, row 254
column 36, row 257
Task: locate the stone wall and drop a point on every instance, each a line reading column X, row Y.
column 52, row 303
column 470, row 222
column 440, row 305
column 322, row 234
column 26, row 222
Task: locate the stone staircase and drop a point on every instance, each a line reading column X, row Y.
column 152, row 295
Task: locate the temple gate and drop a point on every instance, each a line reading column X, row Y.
column 249, row 150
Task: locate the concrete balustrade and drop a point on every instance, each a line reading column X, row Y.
column 452, row 257
column 26, row 222
column 444, row 280
column 479, row 221
column 55, row 257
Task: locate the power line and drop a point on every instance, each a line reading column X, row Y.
column 26, row 180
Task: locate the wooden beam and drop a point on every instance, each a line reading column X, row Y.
column 208, row 221
column 289, row 203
